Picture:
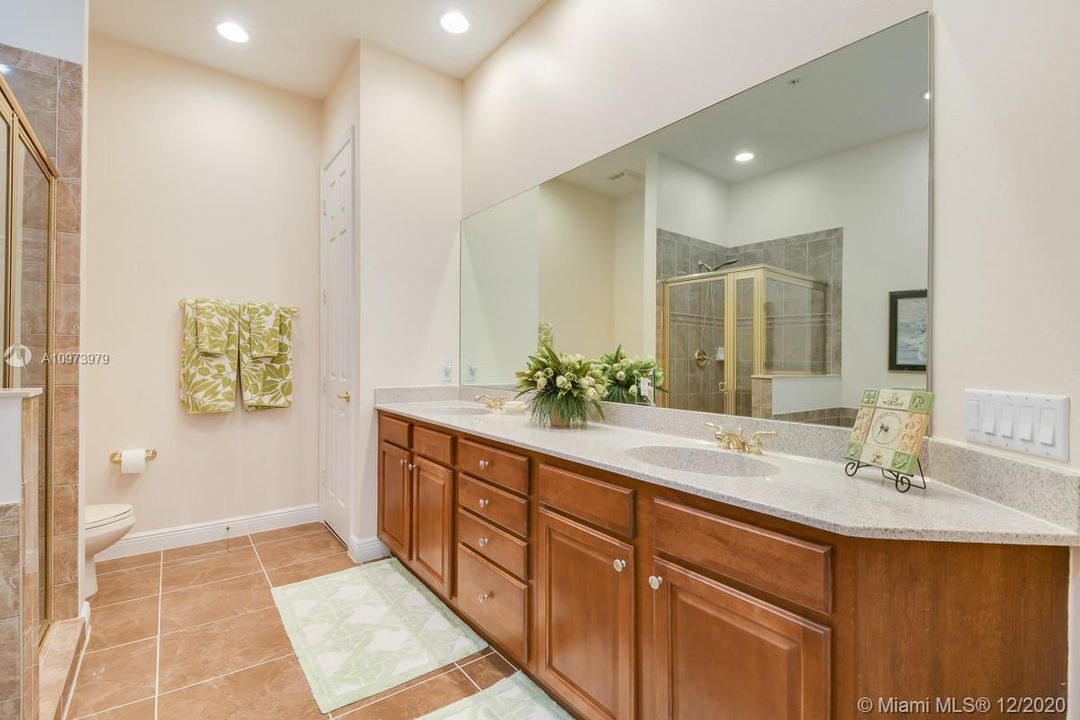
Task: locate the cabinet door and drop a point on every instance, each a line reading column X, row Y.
column 724, row 655
column 395, row 499
column 586, row 623
column 432, row 515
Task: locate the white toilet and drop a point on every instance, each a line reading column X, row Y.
column 105, row 525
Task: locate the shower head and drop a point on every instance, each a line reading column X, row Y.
column 707, row 268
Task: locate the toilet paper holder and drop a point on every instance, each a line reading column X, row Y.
column 115, row 457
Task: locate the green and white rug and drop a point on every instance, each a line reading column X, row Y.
column 514, row 698
column 367, row 629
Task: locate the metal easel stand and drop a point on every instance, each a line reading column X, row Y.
column 903, row 482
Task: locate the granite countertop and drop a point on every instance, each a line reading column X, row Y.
column 804, row 490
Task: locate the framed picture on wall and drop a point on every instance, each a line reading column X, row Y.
column 909, row 330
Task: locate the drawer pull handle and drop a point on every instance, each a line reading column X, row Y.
column 483, row 542
column 620, row 565
column 655, row 581
column 484, row 502
column 484, row 464
column 484, row 597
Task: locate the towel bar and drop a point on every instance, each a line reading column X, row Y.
column 294, row 311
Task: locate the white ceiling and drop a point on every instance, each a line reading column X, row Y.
column 302, row 45
column 867, row 91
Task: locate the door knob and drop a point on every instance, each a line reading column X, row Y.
column 655, row 582
column 345, row 396
column 620, row 565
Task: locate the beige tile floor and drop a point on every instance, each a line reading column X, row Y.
column 193, row 634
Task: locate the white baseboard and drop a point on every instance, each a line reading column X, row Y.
column 154, row 540
column 366, row 549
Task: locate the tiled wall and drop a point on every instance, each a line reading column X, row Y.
column 19, row 583
column 50, row 91
column 802, row 328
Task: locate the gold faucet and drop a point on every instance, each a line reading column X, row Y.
column 491, row 401
column 734, row 439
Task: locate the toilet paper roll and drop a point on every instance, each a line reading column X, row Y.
column 133, row 462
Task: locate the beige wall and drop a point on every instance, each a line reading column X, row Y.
column 408, row 185
column 1007, row 149
column 198, row 183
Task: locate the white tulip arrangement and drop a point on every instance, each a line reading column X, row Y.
column 563, row 389
column 623, row 376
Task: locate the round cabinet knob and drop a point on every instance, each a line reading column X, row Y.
column 484, row 464
column 401, row 463
column 655, row 582
column 620, row 565
column 484, row 597
column 483, row 542
column 484, row 502
column 412, row 466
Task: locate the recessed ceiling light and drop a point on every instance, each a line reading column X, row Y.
column 454, row 22
column 926, row 95
column 232, row 31
column 744, row 157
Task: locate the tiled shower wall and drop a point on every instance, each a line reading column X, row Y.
column 817, row 254
column 50, row 92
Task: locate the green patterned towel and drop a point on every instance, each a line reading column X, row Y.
column 265, row 337
column 513, row 698
column 214, row 320
column 208, row 379
column 266, row 382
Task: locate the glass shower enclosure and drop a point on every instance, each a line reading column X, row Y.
column 718, row 329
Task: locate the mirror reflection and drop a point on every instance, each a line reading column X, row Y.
column 770, row 252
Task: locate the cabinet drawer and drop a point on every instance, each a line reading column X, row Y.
column 605, row 505
column 394, row 431
column 495, row 466
column 794, row 569
column 494, row 600
column 497, row 545
column 433, row 445
column 491, row 503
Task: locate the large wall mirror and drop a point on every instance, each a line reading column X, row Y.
column 771, row 251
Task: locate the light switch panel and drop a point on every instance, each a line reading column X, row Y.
column 1034, row 424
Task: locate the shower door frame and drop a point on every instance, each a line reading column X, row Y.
column 759, row 273
column 21, row 135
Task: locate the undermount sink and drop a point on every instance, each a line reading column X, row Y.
column 703, row 461
column 463, row 410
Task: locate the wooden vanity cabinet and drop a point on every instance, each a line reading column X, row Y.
column 585, row 623
column 416, row 500
column 721, row 653
column 395, row 499
column 718, row 612
column 432, row 523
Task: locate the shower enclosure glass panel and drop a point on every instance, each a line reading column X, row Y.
column 719, row 329
column 745, row 352
column 695, row 334
column 33, row 325
column 796, row 326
